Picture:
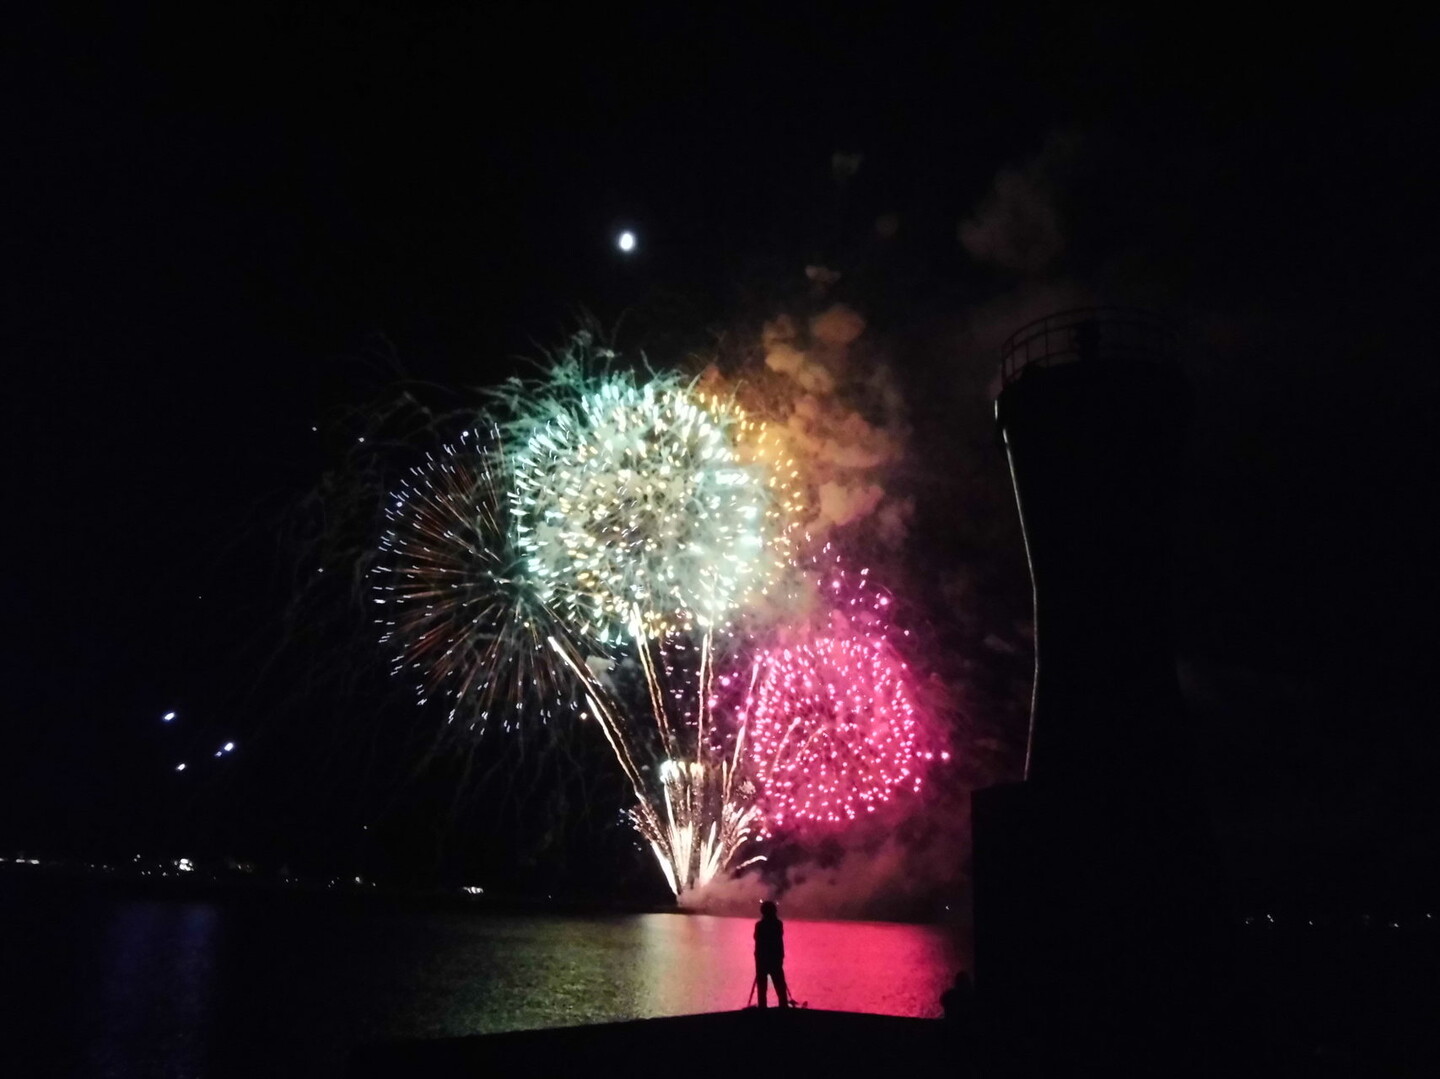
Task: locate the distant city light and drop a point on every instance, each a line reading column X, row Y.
column 168, row 716
column 626, row 241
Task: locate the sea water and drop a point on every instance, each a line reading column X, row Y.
column 121, row 987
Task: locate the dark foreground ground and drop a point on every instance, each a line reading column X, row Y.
column 837, row 1044
column 797, row 1042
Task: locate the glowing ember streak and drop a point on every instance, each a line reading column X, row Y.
column 700, row 816
column 703, row 828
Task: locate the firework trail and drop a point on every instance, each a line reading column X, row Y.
column 649, row 514
column 693, row 804
column 608, row 518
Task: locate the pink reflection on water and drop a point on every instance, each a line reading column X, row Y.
column 703, row 963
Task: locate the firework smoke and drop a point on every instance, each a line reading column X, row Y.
column 835, row 411
column 1018, row 226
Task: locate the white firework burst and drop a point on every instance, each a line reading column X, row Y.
column 641, row 510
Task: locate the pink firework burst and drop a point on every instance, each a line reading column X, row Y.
column 832, row 731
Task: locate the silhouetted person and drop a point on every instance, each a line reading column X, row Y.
column 770, row 954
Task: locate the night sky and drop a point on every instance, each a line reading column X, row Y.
column 223, row 231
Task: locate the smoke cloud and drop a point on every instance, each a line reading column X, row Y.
column 1018, row 225
column 830, row 396
column 879, row 875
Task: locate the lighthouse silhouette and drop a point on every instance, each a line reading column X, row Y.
column 1094, row 901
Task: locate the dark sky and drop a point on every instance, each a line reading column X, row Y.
column 212, row 219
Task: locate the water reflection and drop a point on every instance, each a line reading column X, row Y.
column 160, row 988
column 156, row 982
column 704, row 964
column 525, row 973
